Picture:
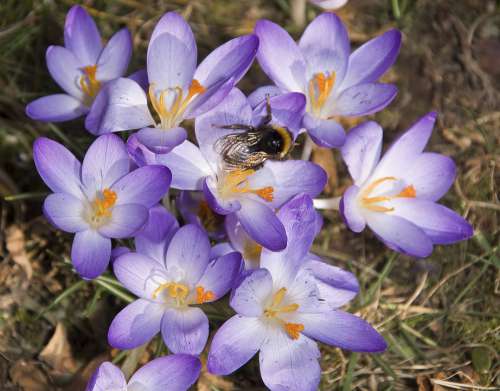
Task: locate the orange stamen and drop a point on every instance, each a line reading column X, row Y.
column 102, row 205
column 368, row 202
column 293, row 329
column 408, row 192
column 236, row 181
column 320, row 88
column 203, row 296
column 88, row 83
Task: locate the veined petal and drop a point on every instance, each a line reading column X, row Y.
column 217, row 204
column 107, row 377
column 234, row 344
column 174, row 24
column 185, row 330
column 65, row 211
column 141, row 78
column 259, row 95
column 160, row 140
column 57, row 166
column 136, row 324
column 55, row 108
column 326, row 133
column 90, row 253
column 125, row 221
column 221, row 274
column 363, row 99
column 350, row 210
column 280, row 57
column 81, row 36
column 250, row 296
column 64, row 68
column 114, row 59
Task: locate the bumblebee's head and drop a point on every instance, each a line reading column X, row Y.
column 277, row 141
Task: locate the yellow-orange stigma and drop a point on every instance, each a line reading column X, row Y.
column 293, row 329
column 236, row 181
column 203, row 296
column 102, row 205
column 170, row 116
column 320, row 87
column 275, row 309
column 88, row 82
column 370, row 202
column 176, row 291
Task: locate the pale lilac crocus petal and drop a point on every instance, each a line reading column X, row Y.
column 57, row 166
column 125, row 221
column 174, row 24
column 221, row 70
column 136, row 324
column 344, row 330
column 164, row 73
column 373, row 59
column 161, row 140
column 152, row 240
column 250, row 295
column 221, row 249
column 188, row 166
column 65, row 70
column 400, row 234
column 406, row 149
column 280, row 57
column 335, row 285
column 364, row 99
column 262, row 225
column 81, row 36
column 90, row 253
column 140, row 77
column 221, row 274
column 440, row 224
column 293, row 177
column 260, row 94
column 350, row 210
column 431, row 175
column 55, row 108
column 145, row 186
column 120, row 105
column 287, row 364
column 140, row 274
column 234, row 344
column 65, row 211
column 118, row 252
column 185, row 330
column 329, row 4
column 114, row 59
column 175, row 372
column 326, row 133
column 361, row 150
column 105, row 162
column 189, row 251
column 218, row 205
column 325, row 46
column 107, row 377
column 235, row 232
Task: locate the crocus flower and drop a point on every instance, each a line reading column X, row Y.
column 252, row 195
column 283, row 307
column 329, row 4
column 169, row 278
column 98, row 199
column 176, row 372
column 321, row 66
column 177, row 88
column 81, row 68
column 396, row 196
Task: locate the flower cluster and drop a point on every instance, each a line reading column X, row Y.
column 248, row 211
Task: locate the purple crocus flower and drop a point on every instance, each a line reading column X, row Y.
column 98, row 199
column 252, row 195
column 329, row 4
column 176, row 372
column 178, row 89
column 170, row 276
column 81, row 68
column 321, row 66
column 285, row 305
column 396, row 195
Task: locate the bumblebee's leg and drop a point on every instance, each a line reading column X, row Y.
column 236, row 127
column 269, row 115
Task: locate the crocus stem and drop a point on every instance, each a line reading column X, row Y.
column 308, row 147
column 327, row 203
column 299, row 12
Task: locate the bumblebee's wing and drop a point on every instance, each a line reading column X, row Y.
column 240, row 150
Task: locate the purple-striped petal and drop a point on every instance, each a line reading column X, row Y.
column 65, row 69
column 185, row 330
column 234, row 344
column 141, row 78
column 174, row 24
column 361, row 151
column 107, row 377
column 160, row 140
column 350, row 210
column 249, row 297
column 114, row 59
column 344, row 330
column 217, row 204
column 55, row 108
column 57, row 166
column 66, row 212
column 176, row 372
column 280, row 57
column 125, row 221
column 364, row 99
column 259, row 95
column 221, row 273
column 90, row 253
column 81, row 36
column 326, row 133
column 136, row 324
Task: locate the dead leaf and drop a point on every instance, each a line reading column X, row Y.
column 439, row 376
column 57, row 353
column 209, row 382
column 15, row 243
column 83, row 376
column 29, row 376
column 423, row 383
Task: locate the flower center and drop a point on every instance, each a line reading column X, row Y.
column 202, row 296
column 320, row 87
column 180, row 294
column 371, row 202
column 208, row 218
column 236, row 181
column 252, row 251
column 101, row 207
column 172, row 116
column 276, row 308
column 89, row 84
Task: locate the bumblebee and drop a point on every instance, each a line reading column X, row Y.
column 251, row 149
